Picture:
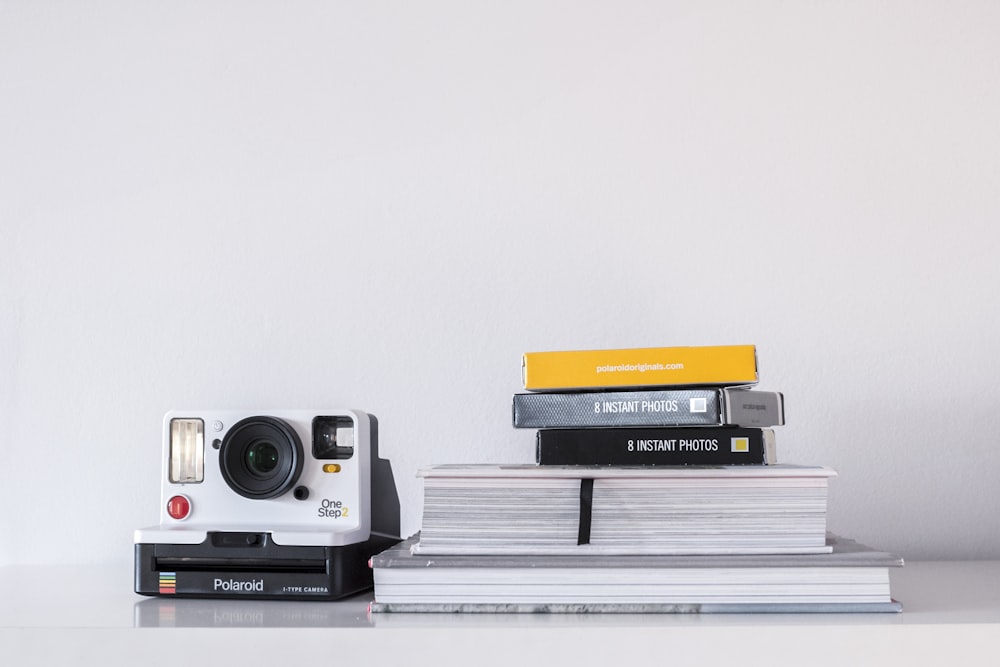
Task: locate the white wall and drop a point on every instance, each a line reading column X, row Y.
column 382, row 205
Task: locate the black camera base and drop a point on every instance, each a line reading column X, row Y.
column 238, row 565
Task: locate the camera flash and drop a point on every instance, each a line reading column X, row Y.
column 187, row 451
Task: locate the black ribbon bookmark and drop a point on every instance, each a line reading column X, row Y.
column 586, row 507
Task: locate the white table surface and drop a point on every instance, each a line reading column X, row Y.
column 89, row 615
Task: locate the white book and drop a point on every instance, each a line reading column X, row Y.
column 513, row 509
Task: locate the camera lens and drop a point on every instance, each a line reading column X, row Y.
column 261, row 457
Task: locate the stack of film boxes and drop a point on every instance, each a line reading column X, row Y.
column 650, row 406
column 655, row 489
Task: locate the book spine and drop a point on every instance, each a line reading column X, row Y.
column 719, row 365
column 655, row 446
column 664, row 407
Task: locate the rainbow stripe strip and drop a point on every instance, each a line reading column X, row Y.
column 168, row 583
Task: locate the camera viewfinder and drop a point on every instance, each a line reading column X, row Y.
column 333, row 437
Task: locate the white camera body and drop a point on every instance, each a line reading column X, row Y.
column 336, row 507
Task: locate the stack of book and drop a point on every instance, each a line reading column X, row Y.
column 655, row 488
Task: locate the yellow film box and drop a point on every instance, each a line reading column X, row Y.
column 640, row 367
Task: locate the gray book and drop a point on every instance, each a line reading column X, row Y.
column 609, row 608
column 851, row 578
column 712, row 406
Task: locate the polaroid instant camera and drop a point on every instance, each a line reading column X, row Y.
column 285, row 504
